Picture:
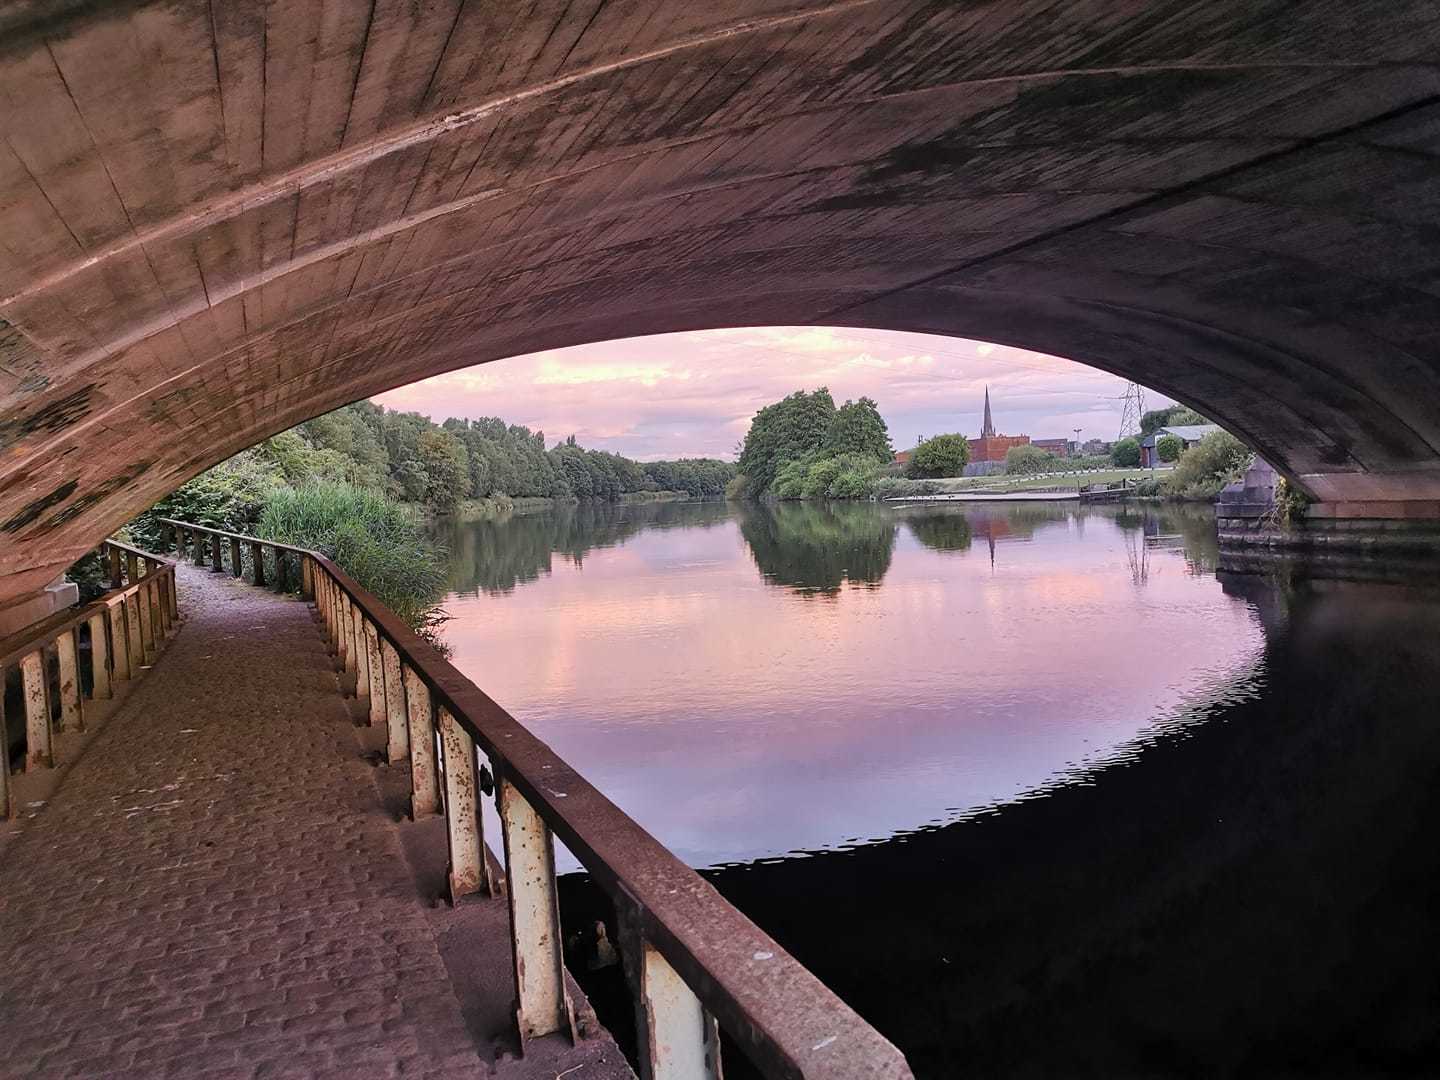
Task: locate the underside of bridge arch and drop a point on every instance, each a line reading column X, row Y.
column 217, row 220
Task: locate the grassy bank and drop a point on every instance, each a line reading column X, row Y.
column 997, row 485
column 498, row 506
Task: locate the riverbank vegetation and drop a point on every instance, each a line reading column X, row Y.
column 804, row 447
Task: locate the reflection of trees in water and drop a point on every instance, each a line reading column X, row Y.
column 815, row 548
column 940, row 531
column 497, row 554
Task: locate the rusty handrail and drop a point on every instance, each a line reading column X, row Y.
column 692, row 958
column 126, row 627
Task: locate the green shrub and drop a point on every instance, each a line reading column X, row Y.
column 1126, row 453
column 1207, row 467
column 230, row 496
column 377, row 541
column 893, row 487
column 1029, row 460
column 944, row 455
column 1169, row 447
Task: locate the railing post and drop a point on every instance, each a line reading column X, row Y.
column 376, row 672
column 132, row 567
column 72, row 717
column 197, row 538
column 132, row 631
column 120, row 649
column 38, row 752
column 173, row 588
column 116, row 576
column 359, row 653
column 147, row 622
column 676, row 1038
column 237, row 564
column 99, row 658
column 217, row 558
column 307, row 578
column 7, row 797
column 257, row 555
column 542, row 1003
column 467, row 873
column 424, row 783
column 345, row 632
column 282, row 568
column 397, row 740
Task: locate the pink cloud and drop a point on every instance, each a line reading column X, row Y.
column 693, row 394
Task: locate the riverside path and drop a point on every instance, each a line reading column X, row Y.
column 219, row 887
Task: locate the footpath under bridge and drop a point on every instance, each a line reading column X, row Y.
column 202, row 873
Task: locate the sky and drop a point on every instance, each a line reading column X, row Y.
column 693, row 394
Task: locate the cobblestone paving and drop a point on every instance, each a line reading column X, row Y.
column 215, row 889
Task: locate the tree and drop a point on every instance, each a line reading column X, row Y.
column 1168, row 447
column 787, row 430
column 944, row 455
column 858, row 428
column 1208, row 466
column 1027, row 460
column 447, row 470
column 1126, row 453
column 1170, row 416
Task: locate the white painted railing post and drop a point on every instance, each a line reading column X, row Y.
column 362, row 654
column 468, row 872
column 120, row 649
column 542, row 1004
column 375, row 669
column 145, row 613
column 38, row 751
column 71, row 716
column 132, row 632
column 397, row 736
column 675, row 1037
column 424, row 781
column 100, row 686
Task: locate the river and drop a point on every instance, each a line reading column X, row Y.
column 1038, row 789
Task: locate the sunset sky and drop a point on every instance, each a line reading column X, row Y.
column 693, row 394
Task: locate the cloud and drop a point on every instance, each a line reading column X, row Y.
column 694, row 393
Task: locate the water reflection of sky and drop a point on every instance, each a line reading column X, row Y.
column 737, row 718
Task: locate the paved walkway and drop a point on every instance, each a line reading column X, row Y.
column 218, row 889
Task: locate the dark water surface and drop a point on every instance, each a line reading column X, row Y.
column 1039, row 790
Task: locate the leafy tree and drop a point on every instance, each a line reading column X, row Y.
column 1169, row 447
column 447, row 470
column 1170, row 416
column 943, row 455
column 858, row 428
column 1208, row 466
column 1028, row 460
column 787, row 430
column 1126, row 453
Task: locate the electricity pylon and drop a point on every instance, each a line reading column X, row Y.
column 1134, row 409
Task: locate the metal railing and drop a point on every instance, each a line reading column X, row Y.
column 112, row 638
column 692, row 960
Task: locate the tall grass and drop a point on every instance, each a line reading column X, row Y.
column 378, row 542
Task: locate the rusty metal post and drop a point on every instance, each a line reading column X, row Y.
column 72, row 717
column 326, row 598
column 257, row 556
column 217, row 555
column 197, row 538
column 374, row 668
column 117, row 578
column 237, row 564
column 676, row 1038
column 147, row 622
column 397, row 739
column 467, row 873
column 282, row 568
column 119, row 647
column 163, row 584
column 542, row 1003
column 307, row 577
column 38, row 751
column 99, row 658
column 424, row 782
column 132, row 567
column 132, row 631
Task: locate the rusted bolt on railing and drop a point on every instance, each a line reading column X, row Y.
column 110, row 639
column 694, row 962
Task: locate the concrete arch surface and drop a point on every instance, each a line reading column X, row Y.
column 217, row 219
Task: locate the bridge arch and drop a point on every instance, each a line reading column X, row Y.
column 218, row 222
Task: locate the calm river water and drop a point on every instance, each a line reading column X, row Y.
column 1039, row 790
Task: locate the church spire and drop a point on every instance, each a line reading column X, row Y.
column 987, row 430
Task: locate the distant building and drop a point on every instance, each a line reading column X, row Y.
column 1095, row 447
column 1058, row 447
column 1188, row 434
column 902, row 457
column 989, row 446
